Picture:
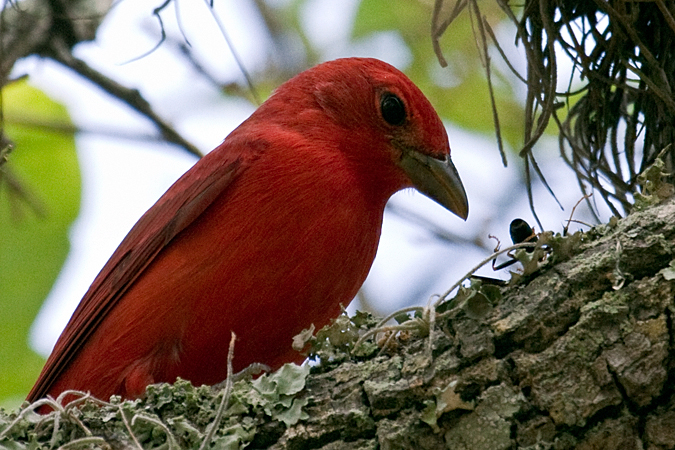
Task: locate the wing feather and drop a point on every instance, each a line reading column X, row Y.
column 185, row 200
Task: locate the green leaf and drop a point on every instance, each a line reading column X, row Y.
column 34, row 224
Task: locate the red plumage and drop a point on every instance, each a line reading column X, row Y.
column 265, row 235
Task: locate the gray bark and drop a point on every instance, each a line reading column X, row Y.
column 576, row 356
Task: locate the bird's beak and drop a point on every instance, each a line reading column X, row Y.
column 437, row 179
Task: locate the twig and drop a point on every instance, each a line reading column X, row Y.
column 131, row 97
column 380, row 326
column 666, row 14
column 437, row 29
column 57, row 126
column 18, row 190
column 128, row 427
column 569, row 221
column 226, row 397
column 443, row 296
column 84, row 442
column 238, row 60
column 547, row 103
column 429, row 312
column 155, row 12
column 482, row 46
column 499, row 48
column 169, row 436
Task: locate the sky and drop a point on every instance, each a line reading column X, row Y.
column 123, row 177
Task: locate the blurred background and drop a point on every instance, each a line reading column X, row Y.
column 85, row 165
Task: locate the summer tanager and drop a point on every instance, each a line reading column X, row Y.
column 267, row 234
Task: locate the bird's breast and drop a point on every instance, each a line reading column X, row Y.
column 265, row 260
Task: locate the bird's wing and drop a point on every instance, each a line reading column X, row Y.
column 186, row 200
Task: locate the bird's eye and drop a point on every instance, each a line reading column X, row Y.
column 393, row 110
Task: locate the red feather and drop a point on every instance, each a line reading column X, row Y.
column 267, row 234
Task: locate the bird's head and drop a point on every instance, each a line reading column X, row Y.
column 382, row 117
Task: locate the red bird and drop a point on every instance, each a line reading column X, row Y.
column 265, row 235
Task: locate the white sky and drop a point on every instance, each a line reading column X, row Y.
column 122, row 178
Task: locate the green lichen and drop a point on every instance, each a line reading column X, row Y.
column 335, row 342
column 653, row 185
column 169, row 416
column 275, row 394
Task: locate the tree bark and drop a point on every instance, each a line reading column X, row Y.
column 578, row 355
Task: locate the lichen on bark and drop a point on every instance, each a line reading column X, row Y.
column 578, row 355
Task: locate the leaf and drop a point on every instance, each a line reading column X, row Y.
column 669, row 272
column 34, row 229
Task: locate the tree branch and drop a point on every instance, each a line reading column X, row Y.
column 131, row 97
